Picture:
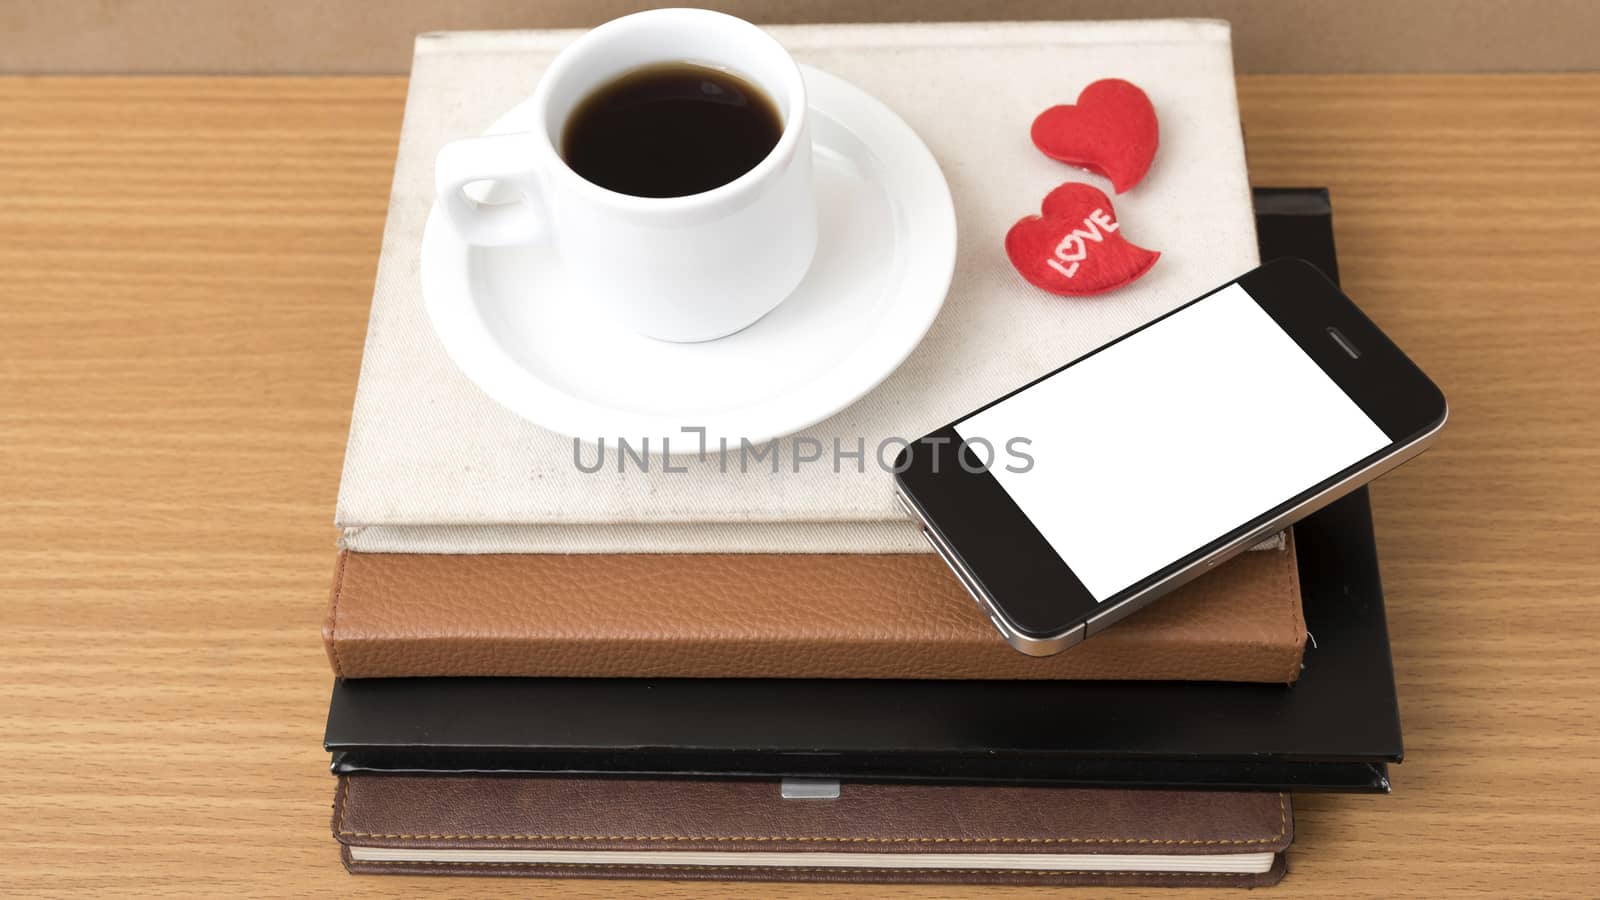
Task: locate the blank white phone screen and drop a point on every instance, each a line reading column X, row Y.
column 1158, row 445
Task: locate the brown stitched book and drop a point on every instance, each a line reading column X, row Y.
column 564, row 827
column 775, row 616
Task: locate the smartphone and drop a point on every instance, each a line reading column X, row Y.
column 1076, row 500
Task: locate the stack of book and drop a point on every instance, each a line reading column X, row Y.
column 626, row 673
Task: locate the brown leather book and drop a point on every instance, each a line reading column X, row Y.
column 679, row 829
column 775, row 616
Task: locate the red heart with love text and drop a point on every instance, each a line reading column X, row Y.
column 1076, row 247
column 1110, row 131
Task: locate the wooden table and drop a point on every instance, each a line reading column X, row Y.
column 185, row 269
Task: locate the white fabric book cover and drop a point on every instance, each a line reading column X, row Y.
column 435, row 466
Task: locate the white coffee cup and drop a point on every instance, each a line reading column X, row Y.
column 689, row 268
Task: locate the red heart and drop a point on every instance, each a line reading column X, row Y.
column 1076, row 248
column 1111, row 131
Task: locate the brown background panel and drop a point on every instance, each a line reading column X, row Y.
column 185, row 276
column 369, row 36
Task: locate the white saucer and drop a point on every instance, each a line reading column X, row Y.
column 885, row 255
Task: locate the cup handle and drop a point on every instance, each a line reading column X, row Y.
column 508, row 159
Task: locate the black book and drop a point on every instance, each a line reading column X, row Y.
column 1337, row 728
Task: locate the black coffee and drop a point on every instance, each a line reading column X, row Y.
column 670, row 130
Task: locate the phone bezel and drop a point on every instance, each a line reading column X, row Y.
column 1034, row 598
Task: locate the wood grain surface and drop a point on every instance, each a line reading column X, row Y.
column 185, row 268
